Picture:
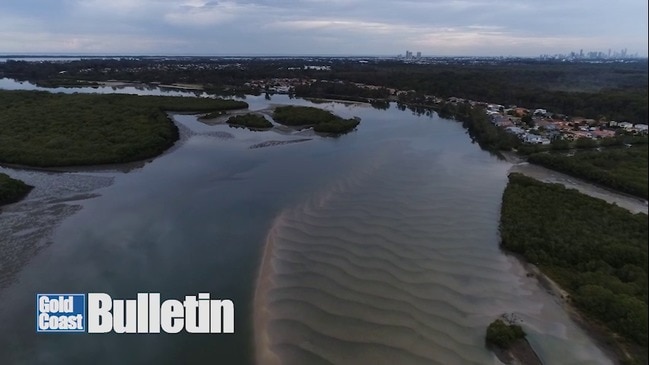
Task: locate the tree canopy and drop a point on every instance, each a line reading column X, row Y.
column 623, row 169
column 44, row 129
column 250, row 121
column 597, row 251
column 12, row 190
column 321, row 120
column 502, row 334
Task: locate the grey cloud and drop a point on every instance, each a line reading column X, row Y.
column 334, row 26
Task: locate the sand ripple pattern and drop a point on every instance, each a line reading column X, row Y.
column 381, row 269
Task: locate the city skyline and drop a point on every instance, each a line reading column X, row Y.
column 317, row 27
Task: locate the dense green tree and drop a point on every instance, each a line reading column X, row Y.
column 12, row 190
column 597, row 251
column 502, row 334
column 623, row 169
column 44, row 129
column 615, row 90
column 250, row 121
column 321, row 120
column 585, row 143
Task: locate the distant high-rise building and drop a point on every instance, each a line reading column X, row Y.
column 418, row 54
column 408, row 55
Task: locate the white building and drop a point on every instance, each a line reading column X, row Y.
column 515, row 130
column 535, row 139
column 625, row 125
column 641, row 128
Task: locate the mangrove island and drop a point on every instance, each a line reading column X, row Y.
column 322, row 121
column 250, row 121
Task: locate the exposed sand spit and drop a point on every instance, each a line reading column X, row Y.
column 398, row 263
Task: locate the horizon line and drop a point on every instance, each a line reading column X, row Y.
column 261, row 55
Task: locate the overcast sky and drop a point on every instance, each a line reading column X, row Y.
column 328, row 27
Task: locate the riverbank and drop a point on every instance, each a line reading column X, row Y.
column 519, row 353
column 92, row 129
column 183, row 134
column 225, row 115
column 414, row 243
column 507, row 340
column 264, row 355
column 580, row 257
column 595, row 331
column 121, row 84
column 342, row 100
column 88, row 132
column 631, row 203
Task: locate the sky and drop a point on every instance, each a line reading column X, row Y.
column 322, row 27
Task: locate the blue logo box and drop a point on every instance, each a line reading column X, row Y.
column 60, row 313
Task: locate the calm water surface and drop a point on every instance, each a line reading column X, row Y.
column 378, row 247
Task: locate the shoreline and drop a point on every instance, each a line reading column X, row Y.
column 520, row 352
column 329, row 100
column 125, row 167
column 183, row 134
column 600, row 335
column 120, row 84
column 629, row 202
column 188, row 87
column 605, row 339
column 262, row 352
column 222, row 119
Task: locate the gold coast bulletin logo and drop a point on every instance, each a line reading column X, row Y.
column 147, row 313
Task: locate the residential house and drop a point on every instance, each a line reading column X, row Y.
column 641, row 128
column 625, row 125
column 501, row 121
column 535, row 139
column 515, row 130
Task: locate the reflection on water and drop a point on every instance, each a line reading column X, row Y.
column 137, row 89
column 5, row 58
column 382, row 248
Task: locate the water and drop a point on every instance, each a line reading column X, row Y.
column 378, row 247
column 118, row 88
column 5, row 58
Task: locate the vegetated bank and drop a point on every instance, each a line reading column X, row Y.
column 477, row 123
column 623, row 169
column 42, row 129
column 322, row 120
column 616, row 90
column 213, row 115
column 12, row 190
column 595, row 250
column 250, row 121
column 565, row 145
column 507, row 340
